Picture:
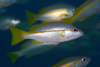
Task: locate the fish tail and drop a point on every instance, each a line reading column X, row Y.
column 68, row 20
column 17, row 35
column 13, row 56
column 31, row 17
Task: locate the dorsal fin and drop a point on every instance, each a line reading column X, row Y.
column 36, row 26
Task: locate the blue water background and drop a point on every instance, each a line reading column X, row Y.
column 87, row 45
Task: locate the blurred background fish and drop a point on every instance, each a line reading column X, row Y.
column 52, row 13
column 29, row 49
column 5, row 3
column 87, row 9
column 73, row 62
column 6, row 21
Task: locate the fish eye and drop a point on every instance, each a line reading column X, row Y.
column 75, row 30
column 84, row 59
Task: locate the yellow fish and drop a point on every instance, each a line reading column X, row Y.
column 87, row 9
column 50, row 33
column 73, row 62
column 51, row 14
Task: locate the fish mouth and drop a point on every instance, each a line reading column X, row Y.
column 89, row 59
column 76, row 36
column 81, row 33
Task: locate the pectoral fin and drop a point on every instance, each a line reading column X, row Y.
column 62, row 35
column 65, row 14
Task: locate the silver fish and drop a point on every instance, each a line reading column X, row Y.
column 52, row 13
column 48, row 33
column 73, row 62
column 29, row 49
column 6, row 21
column 5, row 3
column 46, row 36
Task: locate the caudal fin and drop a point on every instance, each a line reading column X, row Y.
column 17, row 35
column 13, row 56
column 30, row 17
column 68, row 20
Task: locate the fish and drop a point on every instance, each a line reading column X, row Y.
column 29, row 49
column 50, row 33
column 6, row 3
column 6, row 21
column 78, row 61
column 52, row 13
column 87, row 9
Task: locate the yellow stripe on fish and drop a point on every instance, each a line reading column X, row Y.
column 51, row 14
column 59, row 10
column 70, row 64
column 84, row 10
column 73, row 62
column 87, row 9
column 51, row 32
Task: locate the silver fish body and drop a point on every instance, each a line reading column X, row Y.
column 56, row 16
column 87, row 9
column 29, row 49
column 5, row 3
column 54, row 13
column 78, row 61
column 48, row 35
column 34, row 49
column 53, row 32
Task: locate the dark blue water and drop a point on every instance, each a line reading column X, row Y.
column 87, row 45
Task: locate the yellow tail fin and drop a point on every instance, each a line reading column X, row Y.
column 13, row 56
column 17, row 35
column 68, row 20
column 30, row 17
